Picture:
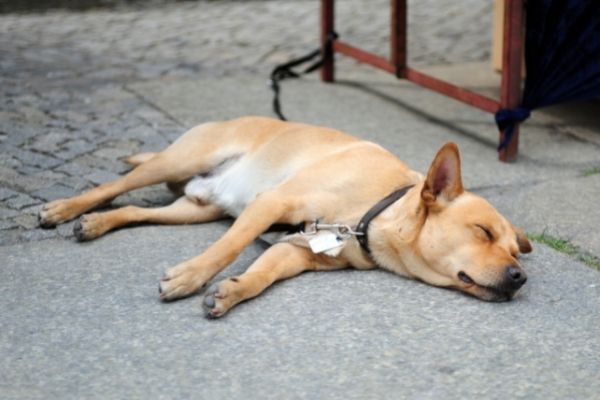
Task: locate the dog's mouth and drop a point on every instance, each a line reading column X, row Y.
column 465, row 278
column 484, row 292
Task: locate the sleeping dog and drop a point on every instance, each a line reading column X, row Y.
column 352, row 203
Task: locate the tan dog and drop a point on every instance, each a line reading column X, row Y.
column 264, row 172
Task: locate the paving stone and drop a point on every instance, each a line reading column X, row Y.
column 7, row 212
column 70, row 116
column 54, row 192
column 13, row 179
column 28, row 170
column 57, row 95
column 49, row 175
column 66, row 230
column 34, row 209
column 10, row 236
column 97, row 163
column 6, row 193
column 33, row 158
column 112, row 153
column 38, row 234
column 49, row 142
column 6, row 116
column 130, row 144
column 41, row 177
column 153, row 196
column 7, row 160
column 99, row 176
column 7, row 224
column 32, row 114
column 19, row 132
column 20, row 201
column 27, row 221
column 129, row 199
column 74, row 168
column 74, row 148
column 76, row 183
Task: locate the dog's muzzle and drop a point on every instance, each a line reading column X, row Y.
column 514, row 278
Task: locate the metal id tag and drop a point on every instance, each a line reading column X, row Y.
column 324, row 241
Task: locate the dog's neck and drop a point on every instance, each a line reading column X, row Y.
column 393, row 236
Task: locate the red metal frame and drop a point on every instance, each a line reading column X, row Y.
column 510, row 91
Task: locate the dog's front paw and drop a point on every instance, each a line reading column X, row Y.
column 221, row 297
column 54, row 213
column 180, row 281
column 90, row 226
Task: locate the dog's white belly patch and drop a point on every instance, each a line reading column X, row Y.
column 235, row 187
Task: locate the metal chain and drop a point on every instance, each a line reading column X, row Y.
column 341, row 230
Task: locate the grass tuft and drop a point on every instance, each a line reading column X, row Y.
column 591, row 171
column 566, row 247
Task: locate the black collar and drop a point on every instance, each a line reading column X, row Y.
column 363, row 225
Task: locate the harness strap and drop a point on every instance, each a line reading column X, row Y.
column 363, row 225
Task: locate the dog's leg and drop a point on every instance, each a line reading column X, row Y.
column 281, row 261
column 187, row 277
column 182, row 211
column 138, row 159
column 167, row 166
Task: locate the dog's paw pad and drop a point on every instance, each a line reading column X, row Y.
column 209, row 301
column 212, row 301
column 78, row 231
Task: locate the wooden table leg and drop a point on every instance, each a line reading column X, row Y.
column 510, row 91
column 398, row 37
column 327, row 26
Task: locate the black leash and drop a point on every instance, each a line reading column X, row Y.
column 284, row 71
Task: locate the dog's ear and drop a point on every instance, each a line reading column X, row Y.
column 444, row 181
column 524, row 244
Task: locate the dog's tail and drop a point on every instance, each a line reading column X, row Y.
column 138, row 159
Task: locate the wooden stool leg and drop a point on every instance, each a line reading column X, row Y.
column 327, row 26
column 510, row 91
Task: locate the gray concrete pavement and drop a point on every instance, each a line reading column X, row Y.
column 84, row 321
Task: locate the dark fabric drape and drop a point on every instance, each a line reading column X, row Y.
column 562, row 57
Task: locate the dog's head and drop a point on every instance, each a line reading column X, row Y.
column 463, row 239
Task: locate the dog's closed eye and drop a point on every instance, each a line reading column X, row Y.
column 486, row 231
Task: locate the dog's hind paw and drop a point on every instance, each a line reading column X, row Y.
column 89, row 226
column 54, row 213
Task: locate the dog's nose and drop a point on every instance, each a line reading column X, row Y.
column 515, row 277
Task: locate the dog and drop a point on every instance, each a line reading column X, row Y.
column 265, row 172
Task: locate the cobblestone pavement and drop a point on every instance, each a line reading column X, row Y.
column 66, row 114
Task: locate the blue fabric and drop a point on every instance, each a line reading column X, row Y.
column 562, row 57
column 506, row 118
